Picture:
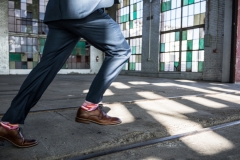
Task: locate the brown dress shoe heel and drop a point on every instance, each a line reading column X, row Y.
column 82, row 120
column 97, row 116
column 16, row 138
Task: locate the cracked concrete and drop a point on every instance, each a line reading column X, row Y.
column 220, row 144
column 149, row 108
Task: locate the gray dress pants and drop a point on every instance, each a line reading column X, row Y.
column 100, row 31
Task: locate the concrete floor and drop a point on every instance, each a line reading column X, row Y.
column 220, row 144
column 149, row 108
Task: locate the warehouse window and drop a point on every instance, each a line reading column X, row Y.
column 182, row 35
column 28, row 36
column 129, row 17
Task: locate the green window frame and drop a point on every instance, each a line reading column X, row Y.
column 129, row 17
column 182, row 35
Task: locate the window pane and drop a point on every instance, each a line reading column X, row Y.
column 187, row 24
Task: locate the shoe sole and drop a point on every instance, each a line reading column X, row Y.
column 87, row 121
column 3, row 139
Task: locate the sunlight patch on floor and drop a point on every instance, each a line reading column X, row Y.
column 185, row 87
column 108, row 93
column 119, row 110
column 85, row 91
column 170, row 114
column 218, row 84
column 184, row 80
column 208, row 143
column 224, row 89
column 226, row 97
column 151, row 158
column 138, row 82
column 166, row 107
column 120, row 85
column 206, row 102
column 149, row 95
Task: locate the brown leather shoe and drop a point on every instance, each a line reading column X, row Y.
column 15, row 137
column 97, row 116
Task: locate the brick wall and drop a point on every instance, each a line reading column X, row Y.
column 4, row 55
column 237, row 65
column 214, row 26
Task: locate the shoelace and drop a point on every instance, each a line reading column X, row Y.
column 103, row 112
column 20, row 134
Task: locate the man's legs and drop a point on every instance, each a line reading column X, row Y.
column 59, row 45
column 98, row 29
column 103, row 33
column 117, row 52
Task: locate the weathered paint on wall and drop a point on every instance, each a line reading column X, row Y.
column 4, row 55
column 237, row 65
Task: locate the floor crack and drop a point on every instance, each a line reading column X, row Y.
column 63, row 116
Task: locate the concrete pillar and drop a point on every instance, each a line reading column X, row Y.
column 96, row 59
column 227, row 41
column 4, row 49
column 150, row 36
column 214, row 40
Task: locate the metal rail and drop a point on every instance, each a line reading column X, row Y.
column 154, row 141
